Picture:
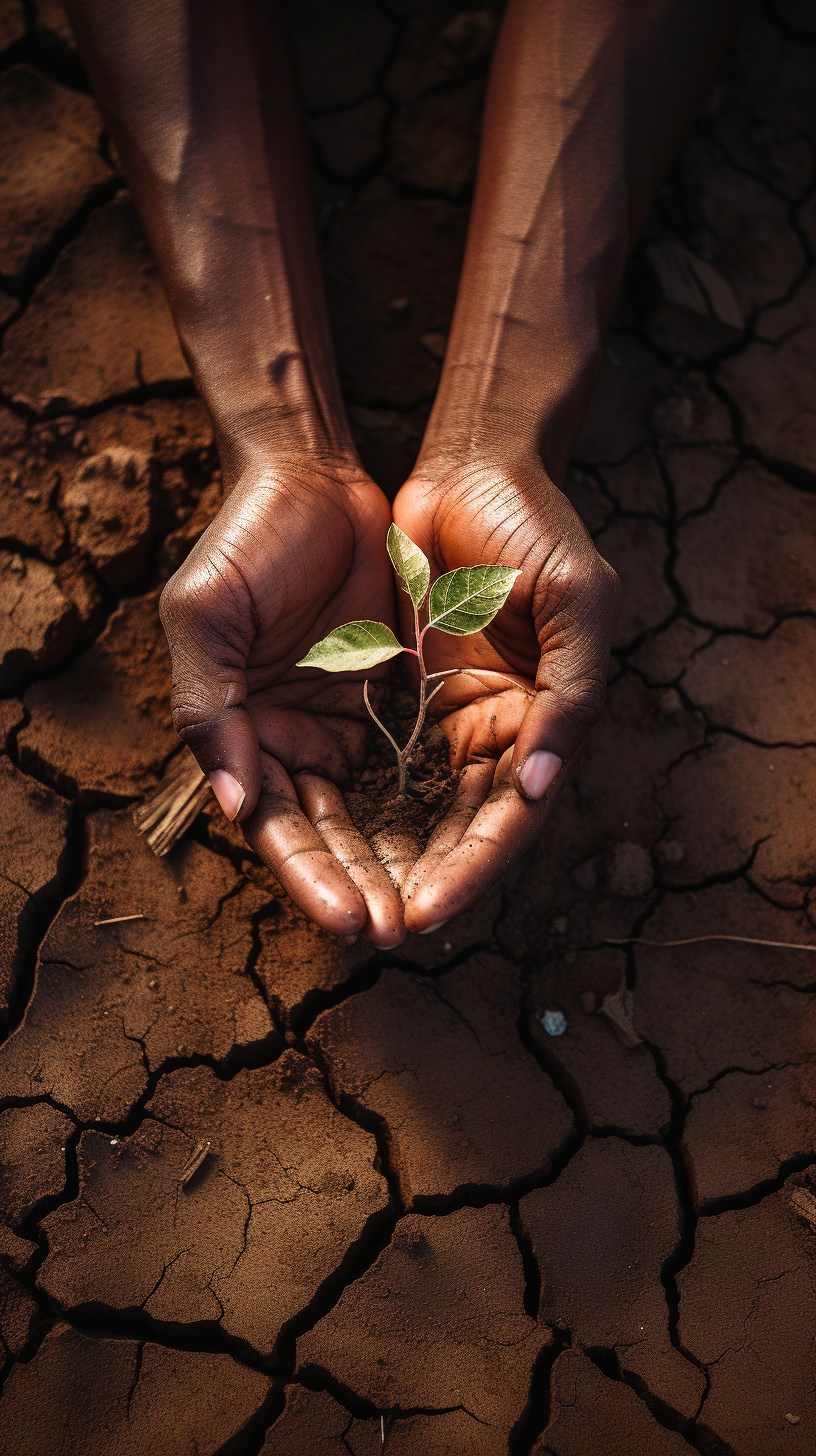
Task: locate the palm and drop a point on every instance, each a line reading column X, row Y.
column 294, row 552
column 478, row 519
column 551, row 639
column 293, row 559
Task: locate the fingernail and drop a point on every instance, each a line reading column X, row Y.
column 537, row 772
column 428, row 930
column 228, row 792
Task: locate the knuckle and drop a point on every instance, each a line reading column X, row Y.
column 193, row 728
column 599, row 599
column 581, row 702
column 175, row 598
column 608, row 586
column 197, row 704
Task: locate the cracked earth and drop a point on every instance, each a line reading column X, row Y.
column 410, row 1209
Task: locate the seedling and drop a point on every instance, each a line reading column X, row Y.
column 460, row 603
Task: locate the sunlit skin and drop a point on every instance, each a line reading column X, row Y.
column 288, row 736
column 552, row 636
column 587, row 102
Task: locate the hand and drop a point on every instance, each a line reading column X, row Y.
column 514, row 744
column 297, row 549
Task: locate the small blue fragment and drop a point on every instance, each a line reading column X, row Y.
column 612, row 357
column 554, row 1023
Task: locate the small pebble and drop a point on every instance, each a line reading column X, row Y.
column 793, row 1420
column 434, row 344
column 447, row 947
column 554, row 1023
column 114, row 1142
column 759, row 1102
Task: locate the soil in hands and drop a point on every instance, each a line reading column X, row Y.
column 372, row 800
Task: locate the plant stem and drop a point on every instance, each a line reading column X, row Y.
column 381, row 726
column 405, row 755
column 474, row 672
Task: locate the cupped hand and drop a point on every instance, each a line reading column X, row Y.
column 513, row 740
column 297, row 549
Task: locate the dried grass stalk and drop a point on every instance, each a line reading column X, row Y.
column 805, row 1205
column 170, row 810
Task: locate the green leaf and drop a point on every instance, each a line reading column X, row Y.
column 410, row 564
column 352, row 648
column 464, row 601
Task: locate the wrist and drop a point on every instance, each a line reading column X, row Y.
column 456, row 472
column 524, row 411
column 261, row 466
column 292, row 437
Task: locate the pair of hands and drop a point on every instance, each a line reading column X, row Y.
column 299, row 548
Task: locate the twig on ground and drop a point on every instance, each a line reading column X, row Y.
column 118, row 919
column 701, row 939
column 196, row 1158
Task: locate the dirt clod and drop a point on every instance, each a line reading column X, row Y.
column 41, row 624
column 107, row 509
column 450, row 1043
column 82, row 1393
column 104, row 729
column 412, row 1331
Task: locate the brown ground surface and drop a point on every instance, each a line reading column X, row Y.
column 415, row 1204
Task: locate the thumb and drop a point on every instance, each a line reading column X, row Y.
column 570, row 683
column 209, row 626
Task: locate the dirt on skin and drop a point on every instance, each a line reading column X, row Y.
column 268, row 1193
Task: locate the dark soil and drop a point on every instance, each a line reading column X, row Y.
column 374, row 805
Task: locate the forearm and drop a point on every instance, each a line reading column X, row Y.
column 588, row 100
column 202, row 103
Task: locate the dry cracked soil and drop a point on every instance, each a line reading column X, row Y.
column 268, row 1194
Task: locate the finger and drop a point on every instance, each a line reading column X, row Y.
column 571, row 682
column 473, row 787
column 208, row 622
column 397, row 851
column 313, row 742
column 501, row 829
column 311, row 875
column 323, row 803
